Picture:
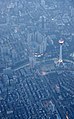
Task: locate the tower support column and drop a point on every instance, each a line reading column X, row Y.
column 60, row 57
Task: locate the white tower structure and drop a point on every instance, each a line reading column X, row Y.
column 67, row 117
column 61, row 42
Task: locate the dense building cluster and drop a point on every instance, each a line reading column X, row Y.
column 34, row 26
column 29, row 95
column 32, row 84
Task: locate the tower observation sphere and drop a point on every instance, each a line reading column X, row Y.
column 61, row 42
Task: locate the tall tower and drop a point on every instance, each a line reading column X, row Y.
column 67, row 117
column 61, row 42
